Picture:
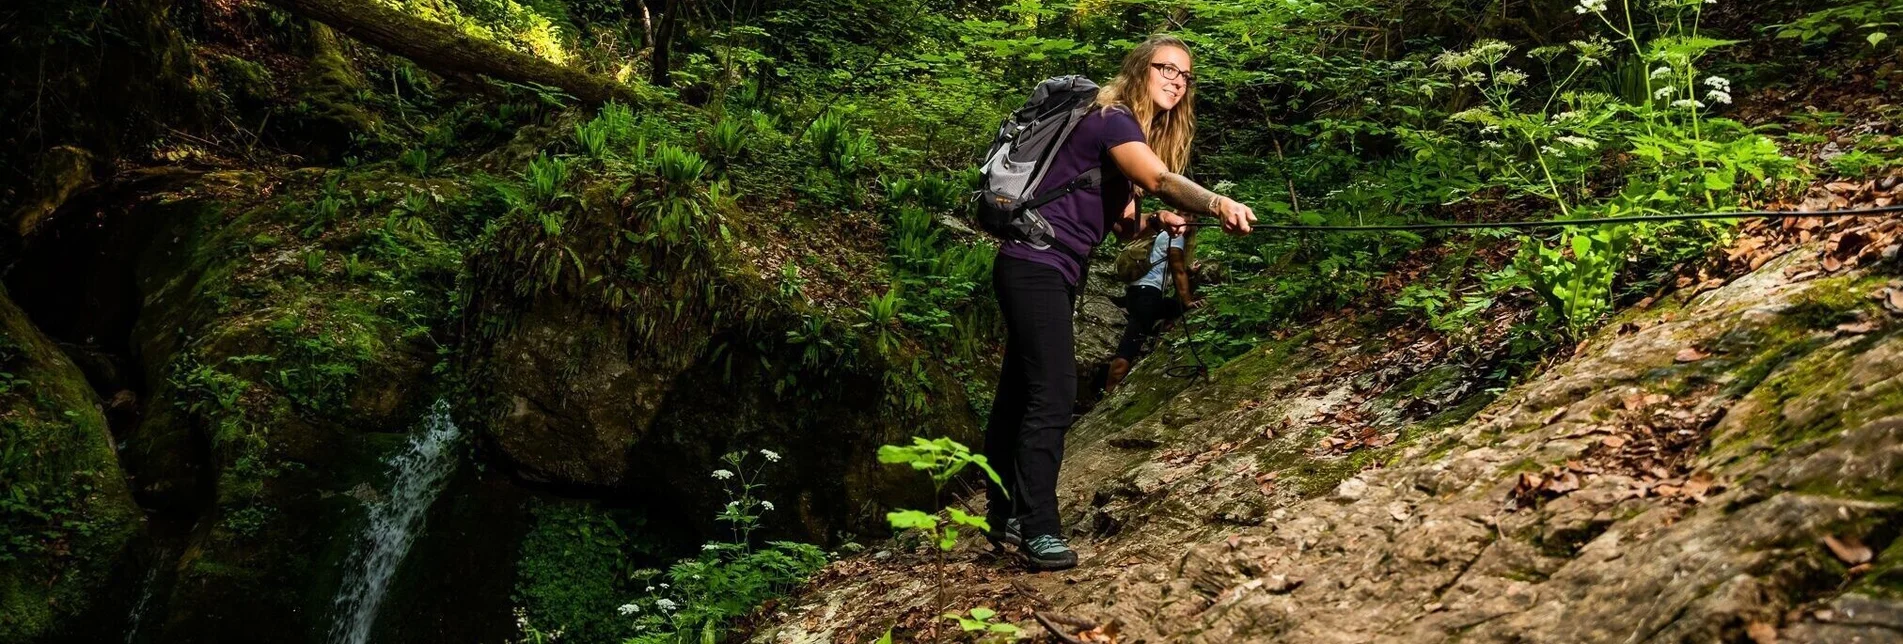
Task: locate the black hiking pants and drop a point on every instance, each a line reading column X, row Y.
column 1024, row 440
column 1148, row 311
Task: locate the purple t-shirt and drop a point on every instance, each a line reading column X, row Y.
column 1081, row 218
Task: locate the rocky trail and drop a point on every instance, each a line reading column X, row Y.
column 1722, row 464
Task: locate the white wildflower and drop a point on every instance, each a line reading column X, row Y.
column 665, row 604
column 1579, row 142
column 723, row 474
column 1474, row 77
column 650, row 589
column 710, row 546
column 767, row 504
column 664, row 585
column 1590, row 6
column 1665, row 92
column 1510, row 77
column 1547, row 149
column 1718, row 96
column 1491, row 129
column 771, row 456
column 628, row 609
column 1719, row 83
column 1493, row 144
column 1661, row 72
column 1686, row 102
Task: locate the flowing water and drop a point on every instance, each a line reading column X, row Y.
column 417, row 475
column 145, row 599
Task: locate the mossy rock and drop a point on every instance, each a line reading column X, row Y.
column 68, row 525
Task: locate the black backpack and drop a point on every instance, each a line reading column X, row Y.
column 1020, row 155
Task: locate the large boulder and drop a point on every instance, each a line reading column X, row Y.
column 68, row 525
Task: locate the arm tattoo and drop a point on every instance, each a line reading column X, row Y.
column 1178, row 191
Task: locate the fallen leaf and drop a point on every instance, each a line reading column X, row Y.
column 1235, row 540
column 1893, row 299
column 1832, row 265
column 1614, row 442
column 1280, row 584
column 1856, row 328
column 1849, row 549
column 1761, row 633
column 1690, row 354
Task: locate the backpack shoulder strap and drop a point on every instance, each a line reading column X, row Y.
column 1089, row 178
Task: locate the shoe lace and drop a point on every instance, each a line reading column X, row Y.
column 1048, row 544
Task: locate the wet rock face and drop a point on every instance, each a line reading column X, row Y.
column 1742, row 491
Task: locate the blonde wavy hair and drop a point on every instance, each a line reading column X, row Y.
column 1168, row 131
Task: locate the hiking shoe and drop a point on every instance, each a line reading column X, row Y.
column 1012, row 534
column 1049, row 552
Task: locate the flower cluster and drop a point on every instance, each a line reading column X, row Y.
column 1590, row 6
column 723, row 474
column 1720, row 89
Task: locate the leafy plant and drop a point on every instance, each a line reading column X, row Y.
column 417, row 160
column 882, row 315
column 547, row 180
column 728, row 138
column 592, row 137
column 678, row 211
column 984, row 620
column 940, row 459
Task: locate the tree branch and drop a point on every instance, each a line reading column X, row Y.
column 446, row 50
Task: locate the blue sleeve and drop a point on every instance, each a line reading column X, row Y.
column 1119, row 127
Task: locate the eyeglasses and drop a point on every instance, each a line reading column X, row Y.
column 1172, row 72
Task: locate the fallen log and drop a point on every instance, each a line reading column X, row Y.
column 446, row 50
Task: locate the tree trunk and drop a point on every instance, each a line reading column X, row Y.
column 638, row 9
column 658, row 62
column 444, row 49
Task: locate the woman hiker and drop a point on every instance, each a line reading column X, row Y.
column 1139, row 135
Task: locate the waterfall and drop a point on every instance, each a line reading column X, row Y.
column 137, row 617
column 417, row 475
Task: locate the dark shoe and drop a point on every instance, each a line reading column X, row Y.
column 1049, row 552
column 1012, row 534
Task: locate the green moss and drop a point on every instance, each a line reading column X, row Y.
column 67, row 520
column 1832, row 301
column 1885, row 580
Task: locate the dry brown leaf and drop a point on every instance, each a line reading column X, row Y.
column 1849, row 549
column 1761, row 633
column 1856, row 328
column 1614, row 442
column 1690, row 354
